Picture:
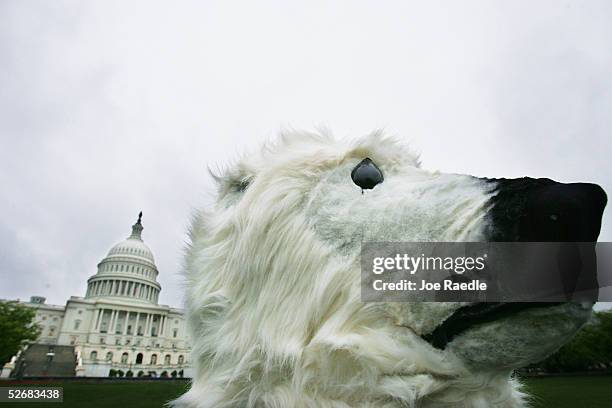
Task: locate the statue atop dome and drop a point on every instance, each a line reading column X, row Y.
column 137, row 228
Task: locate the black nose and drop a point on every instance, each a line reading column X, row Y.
column 539, row 210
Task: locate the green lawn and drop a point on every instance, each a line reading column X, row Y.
column 570, row 391
column 547, row 392
column 116, row 394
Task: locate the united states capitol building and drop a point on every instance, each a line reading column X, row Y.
column 117, row 328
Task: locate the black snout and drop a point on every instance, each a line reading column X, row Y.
column 542, row 210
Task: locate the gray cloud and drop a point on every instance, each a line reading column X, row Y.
column 107, row 108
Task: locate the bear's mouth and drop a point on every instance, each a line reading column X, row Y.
column 473, row 315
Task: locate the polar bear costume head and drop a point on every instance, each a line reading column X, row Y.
column 273, row 272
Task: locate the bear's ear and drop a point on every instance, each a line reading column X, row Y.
column 231, row 184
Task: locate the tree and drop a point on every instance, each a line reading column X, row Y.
column 17, row 328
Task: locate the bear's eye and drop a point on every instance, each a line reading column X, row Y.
column 366, row 174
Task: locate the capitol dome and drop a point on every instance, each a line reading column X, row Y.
column 128, row 271
column 132, row 247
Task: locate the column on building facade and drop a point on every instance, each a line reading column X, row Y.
column 125, row 324
column 97, row 320
column 146, row 330
column 117, row 316
column 110, row 319
column 111, row 328
column 137, row 322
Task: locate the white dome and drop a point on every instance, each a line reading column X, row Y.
column 132, row 248
column 128, row 271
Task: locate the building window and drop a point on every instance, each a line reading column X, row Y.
column 139, row 358
column 181, row 359
column 124, row 358
column 109, row 356
column 167, row 359
column 153, row 358
column 77, row 323
column 102, row 340
column 51, row 330
column 129, row 329
column 174, row 333
column 93, row 356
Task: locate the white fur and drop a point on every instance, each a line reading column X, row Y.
column 273, row 294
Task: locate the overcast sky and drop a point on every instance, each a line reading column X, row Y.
column 108, row 108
